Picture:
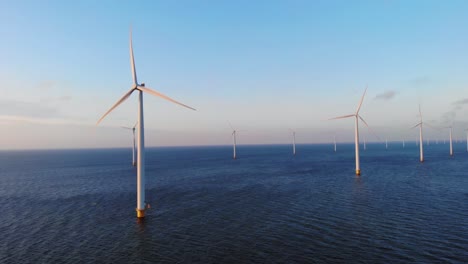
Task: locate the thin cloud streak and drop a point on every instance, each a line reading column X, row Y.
column 461, row 102
column 9, row 119
column 27, row 109
column 64, row 98
column 385, row 96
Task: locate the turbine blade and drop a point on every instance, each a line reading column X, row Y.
column 433, row 127
column 132, row 61
column 135, row 125
column 126, row 127
column 231, row 126
column 365, row 123
column 153, row 92
column 416, row 125
column 362, row 99
column 370, row 130
column 340, row 117
column 116, row 104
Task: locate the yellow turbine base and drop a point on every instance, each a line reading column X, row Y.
column 140, row 213
column 358, row 172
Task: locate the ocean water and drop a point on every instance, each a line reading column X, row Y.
column 78, row 206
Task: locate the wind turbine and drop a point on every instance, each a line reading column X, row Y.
column 334, row 141
column 403, row 143
column 466, row 139
column 364, row 142
column 140, row 88
column 356, row 130
column 386, row 143
column 233, row 142
column 420, row 124
column 134, row 148
column 294, row 141
column 450, row 138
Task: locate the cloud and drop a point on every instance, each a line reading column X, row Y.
column 421, row 81
column 385, row 96
column 10, row 119
column 28, row 109
column 457, row 108
column 63, row 98
column 461, row 102
column 46, row 85
column 448, row 117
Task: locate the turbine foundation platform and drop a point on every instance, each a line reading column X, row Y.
column 358, row 172
column 140, row 213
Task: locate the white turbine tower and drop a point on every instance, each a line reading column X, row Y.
column 134, row 147
column 466, row 140
column 140, row 88
column 420, row 124
column 386, row 143
column 334, row 142
column 356, row 130
column 450, row 138
column 233, row 142
column 293, row 141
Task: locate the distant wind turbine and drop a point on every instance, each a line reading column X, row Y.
column 234, row 156
column 450, row 138
column 466, row 139
column 386, row 143
column 356, row 130
column 420, row 124
column 141, row 203
column 294, row 141
column 334, row 142
column 134, row 147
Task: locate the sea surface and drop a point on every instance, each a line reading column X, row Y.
column 268, row 206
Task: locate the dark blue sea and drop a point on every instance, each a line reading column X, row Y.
column 78, row 206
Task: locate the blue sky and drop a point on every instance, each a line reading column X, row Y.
column 265, row 66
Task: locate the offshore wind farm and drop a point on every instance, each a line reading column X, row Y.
column 263, row 171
